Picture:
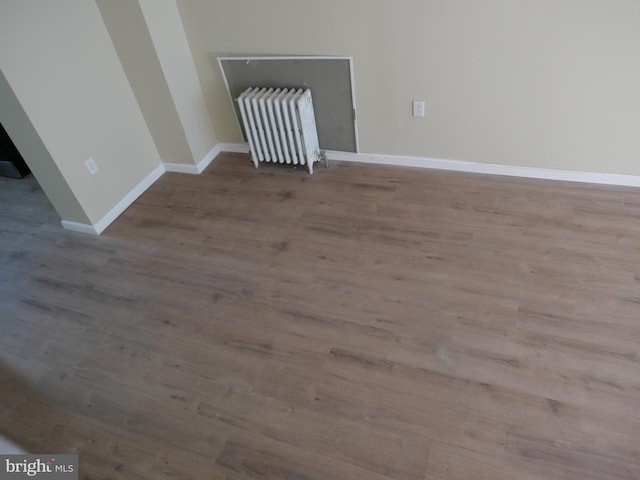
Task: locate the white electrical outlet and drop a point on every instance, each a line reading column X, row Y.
column 90, row 163
column 418, row 108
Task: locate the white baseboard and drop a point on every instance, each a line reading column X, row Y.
column 208, row 158
column 119, row 207
column 201, row 165
column 139, row 189
column 181, row 168
column 193, row 169
column 488, row 168
column 393, row 160
column 79, row 227
column 471, row 167
column 234, row 147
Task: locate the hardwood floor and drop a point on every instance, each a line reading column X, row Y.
column 365, row 322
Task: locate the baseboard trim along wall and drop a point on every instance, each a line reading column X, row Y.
column 488, row 168
column 139, row 189
column 471, row 167
column 181, row 168
column 119, row 207
column 79, row 227
column 199, row 167
column 234, row 147
column 393, row 160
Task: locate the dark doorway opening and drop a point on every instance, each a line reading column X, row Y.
column 11, row 162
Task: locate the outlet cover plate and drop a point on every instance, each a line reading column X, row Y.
column 91, row 165
column 418, row 108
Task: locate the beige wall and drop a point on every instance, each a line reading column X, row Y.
column 65, row 73
column 167, row 33
column 26, row 139
column 130, row 36
column 542, row 83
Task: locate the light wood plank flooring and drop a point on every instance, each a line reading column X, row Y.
column 366, row 322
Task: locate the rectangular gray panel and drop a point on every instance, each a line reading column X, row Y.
column 328, row 78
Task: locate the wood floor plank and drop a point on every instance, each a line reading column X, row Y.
column 257, row 457
column 363, row 322
column 541, row 454
column 354, row 443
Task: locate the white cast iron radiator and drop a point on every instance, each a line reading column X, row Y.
column 280, row 125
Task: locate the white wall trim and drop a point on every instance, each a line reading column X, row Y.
column 293, row 57
column 139, row 189
column 234, row 147
column 289, row 57
column 194, row 169
column 79, row 227
column 181, row 168
column 129, row 198
column 119, row 207
column 392, row 160
column 489, row 168
column 208, row 158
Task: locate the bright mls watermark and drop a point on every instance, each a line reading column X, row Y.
column 51, row 467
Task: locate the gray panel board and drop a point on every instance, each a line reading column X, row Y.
column 328, row 79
